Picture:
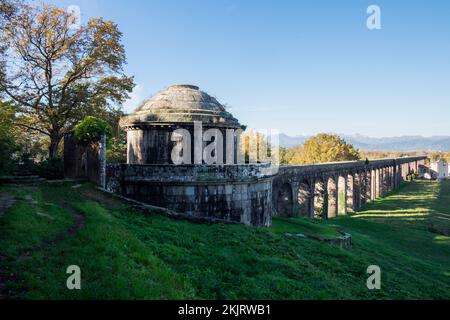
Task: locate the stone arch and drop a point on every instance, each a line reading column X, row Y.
column 285, row 204
column 304, row 198
column 385, row 180
column 390, row 178
column 332, row 187
column 351, row 201
column 320, row 199
column 358, row 190
column 342, row 194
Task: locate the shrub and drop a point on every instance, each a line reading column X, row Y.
column 51, row 168
column 90, row 128
column 8, row 147
column 116, row 150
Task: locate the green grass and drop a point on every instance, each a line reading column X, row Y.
column 124, row 254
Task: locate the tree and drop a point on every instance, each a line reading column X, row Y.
column 255, row 147
column 436, row 156
column 7, row 9
column 7, row 143
column 447, row 157
column 58, row 73
column 90, row 129
column 324, row 148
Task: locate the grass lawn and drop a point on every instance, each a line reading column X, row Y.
column 124, row 254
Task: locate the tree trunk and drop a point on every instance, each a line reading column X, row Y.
column 53, row 148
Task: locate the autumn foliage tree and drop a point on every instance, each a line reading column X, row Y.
column 323, row 148
column 57, row 72
column 257, row 147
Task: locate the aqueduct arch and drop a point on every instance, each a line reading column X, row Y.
column 285, row 204
column 305, row 198
column 320, row 198
column 328, row 189
column 332, row 187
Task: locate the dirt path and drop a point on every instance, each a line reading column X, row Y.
column 79, row 222
column 8, row 275
column 6, row 202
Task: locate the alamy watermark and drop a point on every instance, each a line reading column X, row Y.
column 74, row 280
column 74, row 21
column 216, row 146
column 374, row 20
column 374, row 280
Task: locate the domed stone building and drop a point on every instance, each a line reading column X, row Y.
column 150, row 127
column 226, row 190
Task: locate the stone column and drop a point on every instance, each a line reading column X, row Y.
column 368, row 185
column 325, row 200
column 373, row 194
column 102, row 159
column 381, row 175
column 357, row 191
column 388, row 170
column 391, row 178
column 296, row 207
column 312, row 188
column 363, row 187
column 385, row 180
column 351, row 202
column 377, row 183
column 394, row 176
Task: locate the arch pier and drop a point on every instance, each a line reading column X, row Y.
column 330, row 189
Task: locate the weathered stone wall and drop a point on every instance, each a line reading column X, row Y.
column 82, row 161
column 251, row 194
column 154, row 145
column 240, row 193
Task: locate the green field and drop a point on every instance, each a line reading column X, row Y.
column 124, row 254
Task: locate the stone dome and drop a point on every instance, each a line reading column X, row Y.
column 181, row 104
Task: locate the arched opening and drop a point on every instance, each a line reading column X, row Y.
column 367, row 182
column 391, row 179
column 304, row 199
column 284, row 201
column 319, row 199
column 358, row 191
column 332, row 198
column 384, row 181
column 342, row 195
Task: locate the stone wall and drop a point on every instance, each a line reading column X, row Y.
column 81, row 160
column 240, row 193
column 154, row 145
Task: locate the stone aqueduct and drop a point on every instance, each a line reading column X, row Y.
column 244, row 193
column 329, row 189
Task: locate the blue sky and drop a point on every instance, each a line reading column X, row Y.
column 302, row 67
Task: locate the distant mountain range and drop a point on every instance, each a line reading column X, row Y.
column 405, row 143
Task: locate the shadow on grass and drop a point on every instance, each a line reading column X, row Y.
column 425, row 201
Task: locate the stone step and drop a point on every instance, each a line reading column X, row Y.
column 26, row 177
column 23, row 180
